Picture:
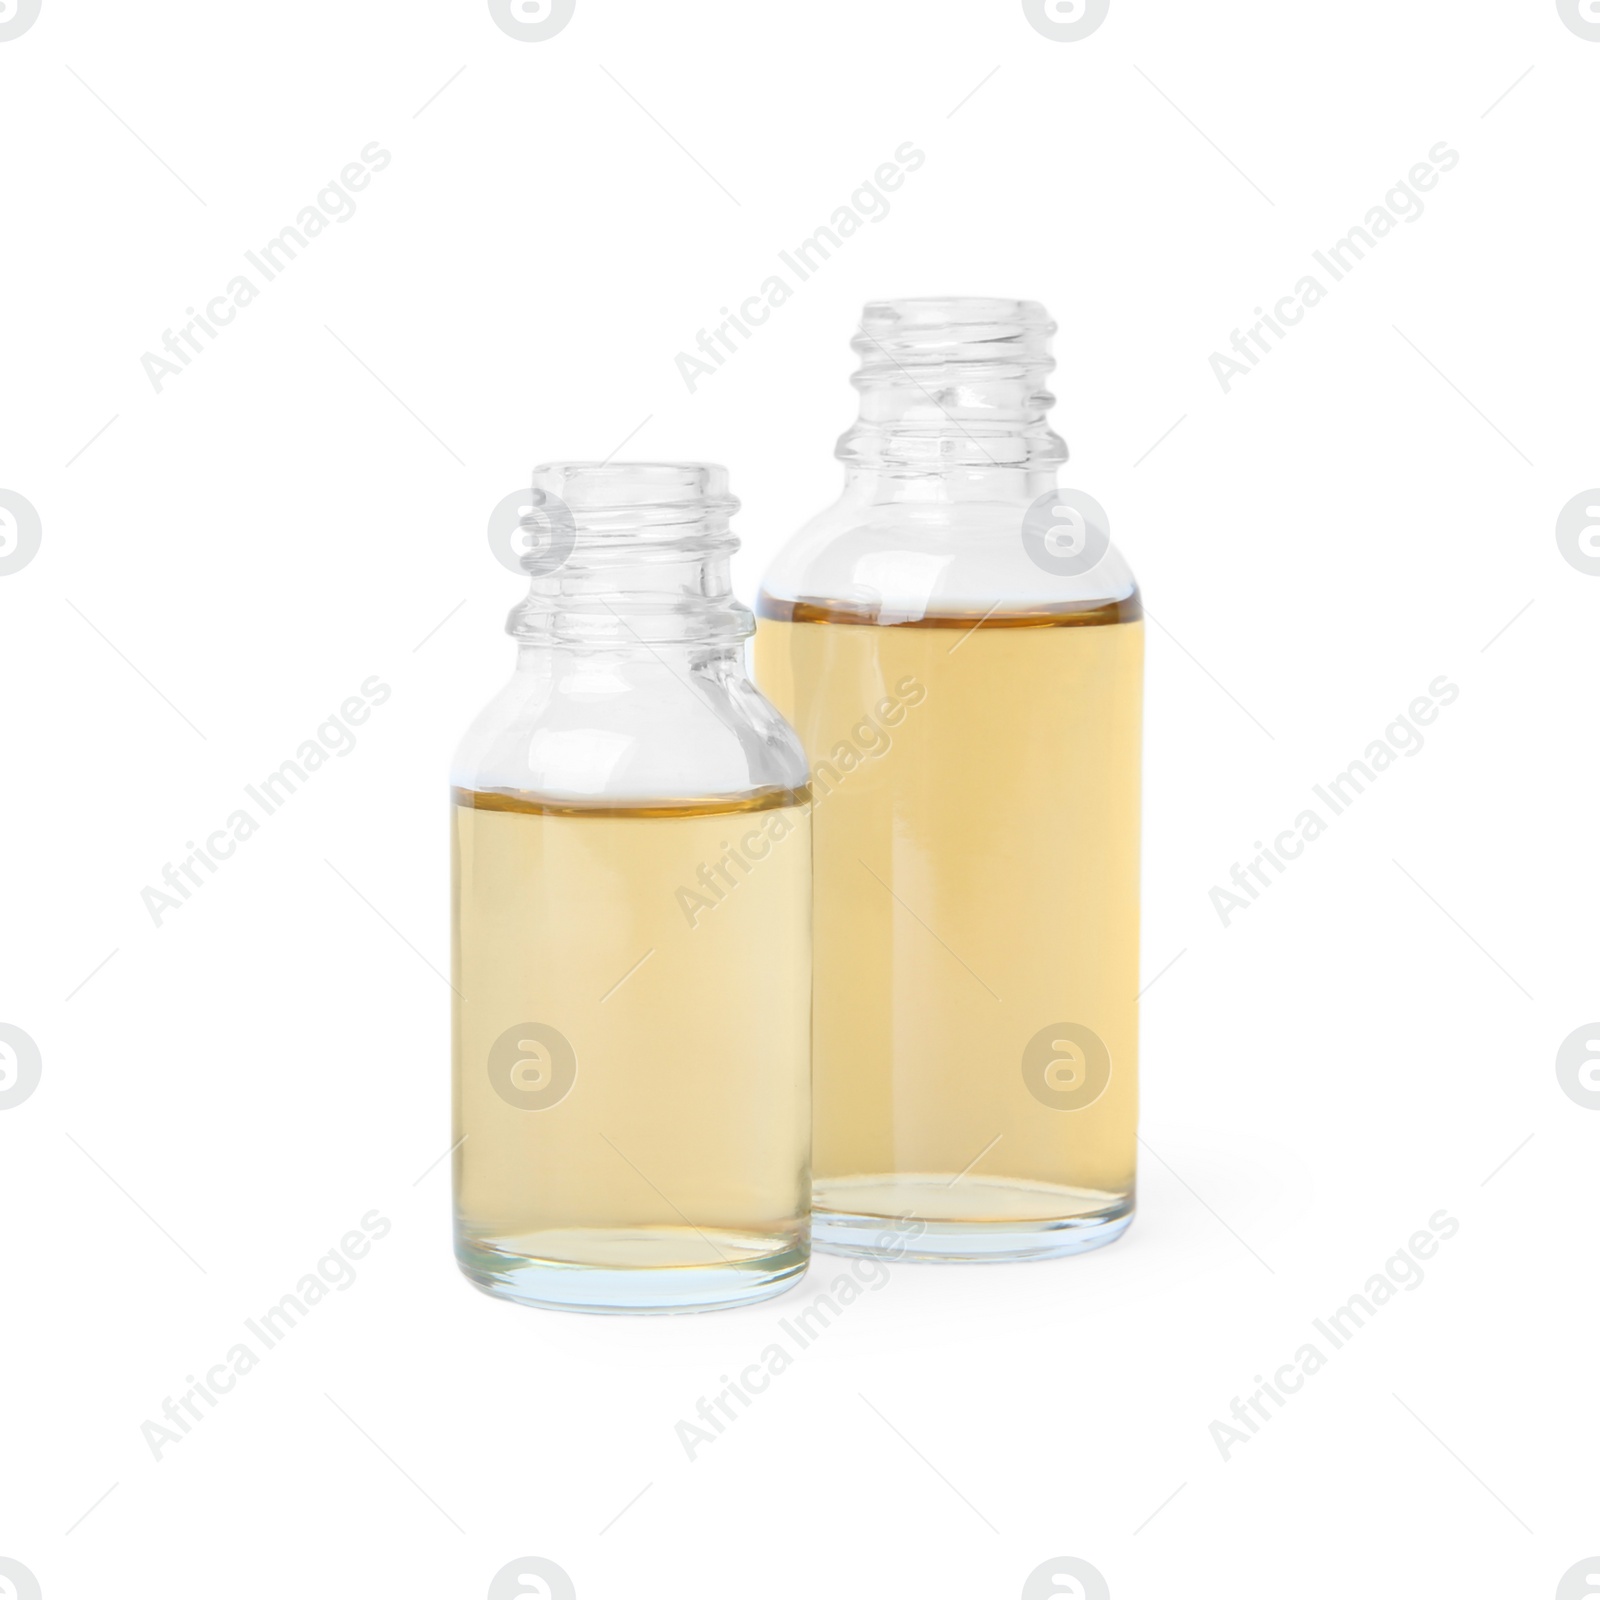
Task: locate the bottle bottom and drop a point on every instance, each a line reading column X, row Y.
column 636, row 1271
column 922, row 1216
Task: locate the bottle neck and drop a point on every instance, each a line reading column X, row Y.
column 946, row 485
column 629, row 558
column 953, row 402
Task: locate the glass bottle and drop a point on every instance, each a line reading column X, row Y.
column 632, row 959
column 961, row 652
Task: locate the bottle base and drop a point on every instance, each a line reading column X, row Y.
column 635, row 1271
column 924, row 1217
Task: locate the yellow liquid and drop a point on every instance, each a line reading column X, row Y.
column 632, row 1049
column 976, row 905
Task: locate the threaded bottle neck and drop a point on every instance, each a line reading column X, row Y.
column 622, row 553
column 953, row 383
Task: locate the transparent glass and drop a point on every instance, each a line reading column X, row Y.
column 961, row 651
column 630, row 842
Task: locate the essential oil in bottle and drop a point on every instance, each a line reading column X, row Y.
column 961, row 653
column 631, row 851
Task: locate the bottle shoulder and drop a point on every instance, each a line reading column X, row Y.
column 584, row 727
column 910, row 559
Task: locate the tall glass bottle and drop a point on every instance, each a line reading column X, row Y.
column 961, row 652
column 632, row 959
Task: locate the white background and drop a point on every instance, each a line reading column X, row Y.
column 1374, row 1040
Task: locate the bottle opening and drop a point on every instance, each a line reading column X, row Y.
column 955, row 328
column 953, row 381
column 603, row 494
column 629, row 550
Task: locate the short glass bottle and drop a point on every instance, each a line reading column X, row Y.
column 961, row 652
column 631, row 959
